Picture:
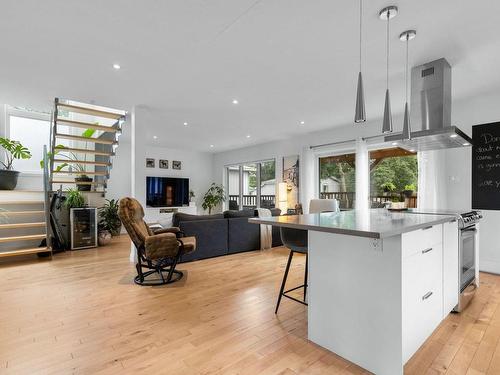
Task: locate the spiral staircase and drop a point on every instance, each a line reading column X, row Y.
column 83, row 142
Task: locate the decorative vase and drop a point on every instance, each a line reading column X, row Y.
column 104, row 238
column 8, row 179
column 83, row 179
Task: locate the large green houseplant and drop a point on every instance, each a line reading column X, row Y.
column 214, row 196
column 108, row 217
column 13, row 150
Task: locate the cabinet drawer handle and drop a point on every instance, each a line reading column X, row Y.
column 427, row 295
column 426, row 250
column 427, row 228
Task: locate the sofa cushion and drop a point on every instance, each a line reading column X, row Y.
column 179, row 216
column 242, row 235
column 239, row 213
column 211, row 238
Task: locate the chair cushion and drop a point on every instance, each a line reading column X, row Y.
column 179, row 216
column 189, row 244
column 160, row 246
column 239, row 213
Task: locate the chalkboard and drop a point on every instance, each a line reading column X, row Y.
column 486, row 166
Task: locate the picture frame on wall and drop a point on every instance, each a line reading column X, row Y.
column 291, row 178
column 150, row 163
column 176, row 164
column 163, row 164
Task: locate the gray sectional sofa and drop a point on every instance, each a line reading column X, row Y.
column 222, row 234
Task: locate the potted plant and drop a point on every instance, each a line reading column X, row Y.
column 388, row 188
column 214, row 196
column 13, row 150
column 74, row 199
column 409, row 189
column 73, row 162
column 108, row 217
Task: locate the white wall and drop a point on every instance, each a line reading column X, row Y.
column 197, row 166
column 482, row 109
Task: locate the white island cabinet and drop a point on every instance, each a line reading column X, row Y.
column 379, row 283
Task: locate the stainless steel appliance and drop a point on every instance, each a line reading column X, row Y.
column 431, row 110
column 83, row 228
column 467, row 257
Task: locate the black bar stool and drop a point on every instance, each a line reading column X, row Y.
column 296, row 241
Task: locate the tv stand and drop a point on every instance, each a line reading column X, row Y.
column 163, row 215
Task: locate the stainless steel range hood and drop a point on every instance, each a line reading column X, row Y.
column 431, row 110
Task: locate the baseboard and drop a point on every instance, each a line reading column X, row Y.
column 490, row 266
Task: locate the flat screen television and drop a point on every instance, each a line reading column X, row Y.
column 167, row 192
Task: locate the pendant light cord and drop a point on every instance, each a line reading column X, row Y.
column 360, row 31
column 387, row 51
column 406, row 72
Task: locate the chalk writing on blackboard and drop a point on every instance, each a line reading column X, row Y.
column 486, row 166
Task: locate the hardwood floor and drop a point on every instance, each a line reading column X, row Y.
column 81, row 314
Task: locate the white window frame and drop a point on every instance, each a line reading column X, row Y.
column 241, row 165
column 16, row 112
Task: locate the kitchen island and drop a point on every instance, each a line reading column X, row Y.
column 379, row 282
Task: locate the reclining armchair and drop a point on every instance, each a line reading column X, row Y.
column 158, row 252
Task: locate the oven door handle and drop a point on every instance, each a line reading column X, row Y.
column 473, row 230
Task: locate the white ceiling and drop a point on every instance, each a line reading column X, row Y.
column 286, row 61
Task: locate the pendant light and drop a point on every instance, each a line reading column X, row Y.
column 360, row 114
column 385, row 15
column 406, row 36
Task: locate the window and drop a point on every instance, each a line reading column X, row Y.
column 33, row 131
column 251, row 185
column 337, row 179
column 393, row 176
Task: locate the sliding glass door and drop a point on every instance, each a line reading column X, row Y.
column 251, row 185
column 337, row 179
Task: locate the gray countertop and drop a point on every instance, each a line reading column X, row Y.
column 375, row 223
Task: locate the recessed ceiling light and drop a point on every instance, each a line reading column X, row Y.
column 412, row 150
column 155, row 137
column 185, row 124
column 235, row 101
column 302, row 122
column 465, row 144
column 394, row 143
column 211, row 146
column 248, row 136
column 116, row 66
column 453, row 136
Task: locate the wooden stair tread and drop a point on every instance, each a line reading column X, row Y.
column 87, row 125
column 23, row 238
column 85, row 139
column 83, row 151
column 16, row 213
column 21, row 202
column 89, row 111
column 22, row 225
column 82, row 173
column 100, row 163
column 76, row 182
column 33, row 250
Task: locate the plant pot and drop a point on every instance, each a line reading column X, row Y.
column 8, row 179
column 408, row 193
column 104, row 238
column 83, row 179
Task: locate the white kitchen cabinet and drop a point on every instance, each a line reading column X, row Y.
column 422, row 287
column 450, row 267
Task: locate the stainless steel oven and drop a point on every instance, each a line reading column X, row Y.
column 467, row 257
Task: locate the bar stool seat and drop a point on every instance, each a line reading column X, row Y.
column 296, row 241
